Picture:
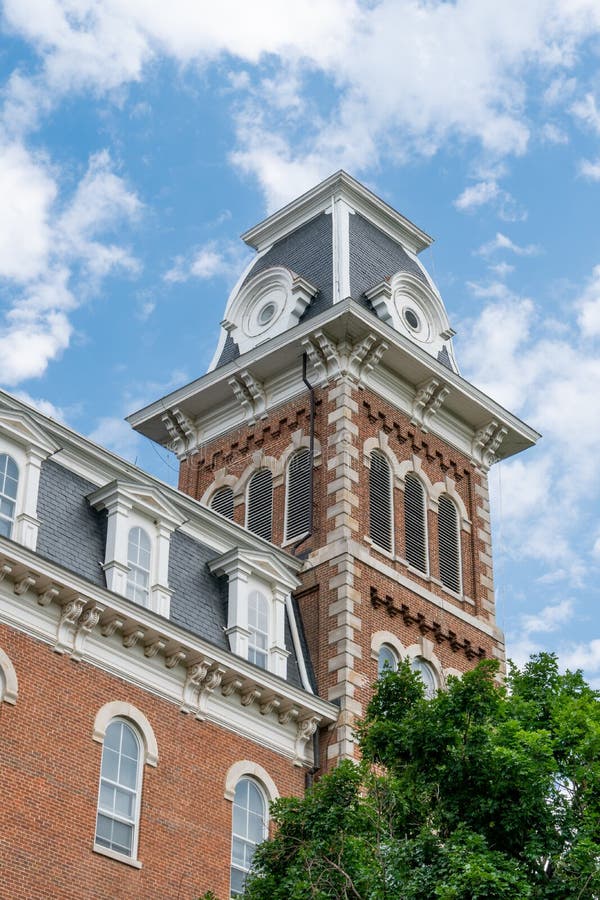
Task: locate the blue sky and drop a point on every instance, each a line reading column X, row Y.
column 139, row 139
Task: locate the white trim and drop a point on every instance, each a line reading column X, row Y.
column 245, row 768
column 9, row 685
column 379, row 638
column 116, row 709
column 135, row 819
column 119, row 857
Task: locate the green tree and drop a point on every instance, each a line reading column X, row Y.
column 484, row 791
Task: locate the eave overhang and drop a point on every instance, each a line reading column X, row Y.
column 346, row 323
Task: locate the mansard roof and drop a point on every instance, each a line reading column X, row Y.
column 346, row 242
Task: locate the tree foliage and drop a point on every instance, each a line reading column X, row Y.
column 484, row 791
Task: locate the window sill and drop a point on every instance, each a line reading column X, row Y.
column 118, row 857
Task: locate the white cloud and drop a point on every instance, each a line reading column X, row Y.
column 211, row 260
column 43, row 246
column 552, row 134
column 118, row 436
column 590, row 170
column 502, row 269
column 477, row 195
column 583, row 656
column 586, row 110
column 409, row 76
column 46, row 407
column 550, row 618
column 502, row 242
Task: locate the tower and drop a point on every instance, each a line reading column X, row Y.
column 334, row 422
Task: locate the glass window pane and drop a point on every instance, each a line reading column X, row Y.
column 129, row 745
column 112, row 738
column 110, row 765
column 386, row 660
column 122, row 837
column 5, row 528
column 238, row 851
column 124, row 803
column 103, row 830
column 107, row 797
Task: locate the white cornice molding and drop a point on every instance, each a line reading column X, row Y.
column 262, row 564
column 89, row 623
column 146, row 498
column 339, row 186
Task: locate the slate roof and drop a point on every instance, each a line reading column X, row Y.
column 73, row 535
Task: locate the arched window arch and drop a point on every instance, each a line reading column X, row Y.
column 222, row 501
column 428, row 676
column 138, row 561
column 258, row 627
column 415, row 523
column 298, row 494
column 387, row 659
column 9, row 482
column 259, row 516
column 117, row 819
column 449, row 544
column 380, row 501
column 249, row 829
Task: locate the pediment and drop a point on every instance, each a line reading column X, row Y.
column 262, row 564
column 144, row 498
column 21, row 428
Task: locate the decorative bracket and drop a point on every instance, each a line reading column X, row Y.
column 87, row 621
column 69, row 616
column 305, row 730
column 184, row 437
column 486, row 442
column 427, row 402
column 323, row 356
column 364, row 356
column 251, row 395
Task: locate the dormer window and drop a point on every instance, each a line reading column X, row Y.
column 258, row 628
column 9, row 481
column 138, row 560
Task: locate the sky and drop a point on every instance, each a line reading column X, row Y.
column 139, row 139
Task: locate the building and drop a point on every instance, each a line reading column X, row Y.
column 172, row 660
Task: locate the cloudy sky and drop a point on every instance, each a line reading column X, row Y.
column 138, row 139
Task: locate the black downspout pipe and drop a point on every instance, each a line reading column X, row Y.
column 311, row 449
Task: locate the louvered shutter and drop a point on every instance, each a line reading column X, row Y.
column 260, row 504
column 449, row 544
column 415, row 528
column 298, row 498
column 380, row 499
column 222, row 502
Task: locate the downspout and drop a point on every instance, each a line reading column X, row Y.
column 311, row 450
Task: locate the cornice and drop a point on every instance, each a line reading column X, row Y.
column 89, row 623
column 339, row 186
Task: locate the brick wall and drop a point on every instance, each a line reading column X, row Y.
column 49, row 784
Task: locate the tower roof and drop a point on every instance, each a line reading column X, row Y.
column 336, row 242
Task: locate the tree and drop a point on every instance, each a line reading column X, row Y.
column 484, row 791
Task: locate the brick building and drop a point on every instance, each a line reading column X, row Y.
column 172, row 660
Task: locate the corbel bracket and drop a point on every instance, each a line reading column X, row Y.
column 428, row 400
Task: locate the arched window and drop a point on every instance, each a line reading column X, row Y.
column 427, row 674
column 298, row 499
column 9, row 480
column 249, row 829
column 120, row 789
column 222, row 502
column 415, row 523
column 259, row 518
column 138, row 560
column 387, row 661
column 380, row 501
column 258, row 626
column 449, row 544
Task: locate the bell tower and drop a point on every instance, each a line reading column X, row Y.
column 333, row 421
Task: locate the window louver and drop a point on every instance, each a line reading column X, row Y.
column 222, row 502
column 415, row 528
column 260, row 504
column 380, row 496
column 449, row 544
column 298, row 498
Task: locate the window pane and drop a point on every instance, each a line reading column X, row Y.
column 387, row 659
column 124, row 803
column 5, row 527
column 103, row 830
column 110, row 765
column 249, row 830
column 122, row 837
column 107, row 797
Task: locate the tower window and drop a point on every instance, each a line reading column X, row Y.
column 259, row 517
column 380, row 501
column 387, row 661
column 138, row 561
column 249, row 829
column 449, row 544
column 427, row 674
column 222, row 502
column 9, row 481
column 298, row 495
column 415, row 523
column 120, row 784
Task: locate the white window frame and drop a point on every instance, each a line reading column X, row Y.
column 23, row 440
column 135, row 820
column 135, row 567
column 245, row 837
column 249, row 571
column 391, row 650
column 130, row 505
column 5, row 460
